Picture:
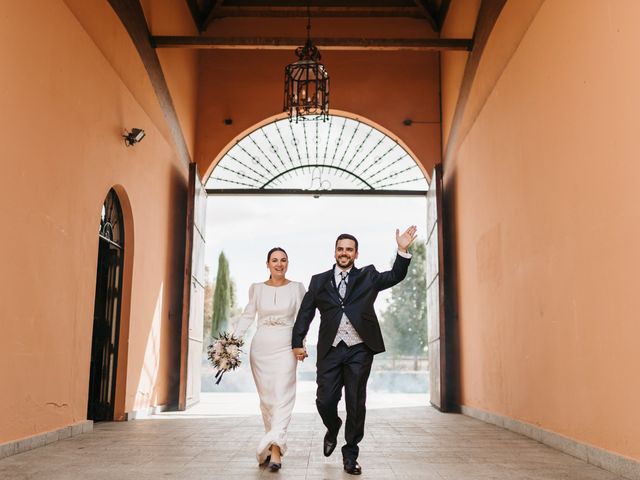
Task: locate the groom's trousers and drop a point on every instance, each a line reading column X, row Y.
column 348, row 367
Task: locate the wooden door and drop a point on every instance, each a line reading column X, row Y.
column 436, row 337
column 193, row 294
column 106, row 312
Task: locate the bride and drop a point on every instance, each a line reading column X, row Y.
column 273, row 363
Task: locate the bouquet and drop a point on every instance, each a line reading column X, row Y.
column 224, row 354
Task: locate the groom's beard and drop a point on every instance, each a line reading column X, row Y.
column 344, row 262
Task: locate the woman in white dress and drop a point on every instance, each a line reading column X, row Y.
column 273, row 363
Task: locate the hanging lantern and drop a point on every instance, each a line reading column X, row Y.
column 306, row 84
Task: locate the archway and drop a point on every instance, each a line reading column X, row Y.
column 345, row 157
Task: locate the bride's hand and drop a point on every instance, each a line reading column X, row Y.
column 300, row 353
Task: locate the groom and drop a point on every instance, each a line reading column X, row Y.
column 349, row 337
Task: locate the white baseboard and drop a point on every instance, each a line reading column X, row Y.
column 46, row 438
column 618, row 464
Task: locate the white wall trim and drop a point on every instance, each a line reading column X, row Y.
column 613, row 462
column 46, row 438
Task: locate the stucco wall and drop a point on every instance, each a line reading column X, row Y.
column 64, row 109
column 547, row 223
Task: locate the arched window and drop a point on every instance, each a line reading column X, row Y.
column 340, row 154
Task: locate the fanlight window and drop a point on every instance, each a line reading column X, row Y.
column 339, row 154
column 111, row 220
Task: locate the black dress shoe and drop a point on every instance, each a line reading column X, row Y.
column 330, row 441
column 274, row 467
column 352, row 467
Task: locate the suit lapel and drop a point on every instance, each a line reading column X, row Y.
column 330, row 286
column 354, row 276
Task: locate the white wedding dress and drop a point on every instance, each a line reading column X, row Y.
column 273, row 363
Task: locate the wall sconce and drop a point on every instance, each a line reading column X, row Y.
column 408, row 122
column 133, row 137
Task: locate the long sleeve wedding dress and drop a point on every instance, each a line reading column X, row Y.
column 272, row 361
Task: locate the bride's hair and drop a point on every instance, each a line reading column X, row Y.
column 276, row 249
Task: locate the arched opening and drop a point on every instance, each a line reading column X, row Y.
column 107, row 311
column 345, row 154
column 303, row 174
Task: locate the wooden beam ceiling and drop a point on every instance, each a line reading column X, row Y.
column 206, row 11
column 427, row 12
column 344, row 44
column 331, row 12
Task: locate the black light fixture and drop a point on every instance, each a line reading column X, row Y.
column 408, row 122
column 306, row 83
column 133, row 137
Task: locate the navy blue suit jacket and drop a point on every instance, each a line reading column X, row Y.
column 362, row 290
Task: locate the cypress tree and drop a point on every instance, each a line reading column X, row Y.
column 221, row 297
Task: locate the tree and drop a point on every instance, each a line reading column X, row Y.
column 208, row 304
column 405, row 319
column 221, row 296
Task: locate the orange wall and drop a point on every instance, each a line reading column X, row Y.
column 64, row 107
column 385, row 87
column 547, row 223
column 180, row 67
column 459, row 23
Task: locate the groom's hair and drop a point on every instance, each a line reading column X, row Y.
column 347, row 236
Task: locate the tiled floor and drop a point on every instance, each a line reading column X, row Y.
column 216, row 440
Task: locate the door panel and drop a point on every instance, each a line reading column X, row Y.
column 435, row 293
column 193, row 296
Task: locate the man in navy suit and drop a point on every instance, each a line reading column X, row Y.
column 349, row 337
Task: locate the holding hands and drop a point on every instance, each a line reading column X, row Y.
column 406, row 238
column 300, row 353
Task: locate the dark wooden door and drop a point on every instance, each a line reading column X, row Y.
column 435, row 293
column 106, row 313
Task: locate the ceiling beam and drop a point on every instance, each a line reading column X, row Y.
column 487, row 17
column 328, row 11
column 279, row 43
column 132, row 17
column 196, row 14
column 426, row 12
column 210, row 14
column 442, row 13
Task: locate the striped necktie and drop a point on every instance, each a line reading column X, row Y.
column 342, row 286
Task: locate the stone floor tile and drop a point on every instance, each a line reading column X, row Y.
column 413, row 442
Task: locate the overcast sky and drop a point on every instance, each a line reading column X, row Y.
column 247, row 227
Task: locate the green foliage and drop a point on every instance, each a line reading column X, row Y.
column 222, row 296
column 208, row 304
column 405, row 320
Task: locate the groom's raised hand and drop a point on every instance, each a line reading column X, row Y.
column 406, row 238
